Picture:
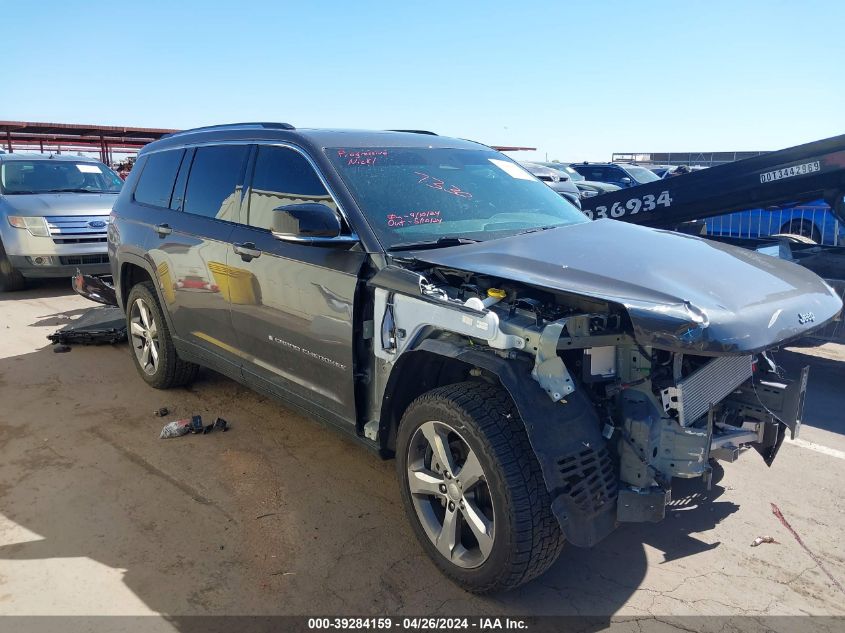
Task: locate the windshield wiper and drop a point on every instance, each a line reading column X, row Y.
column 540, row 228
column 447, row 240
column 72, row 190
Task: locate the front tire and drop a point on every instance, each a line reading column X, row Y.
column 473, row 490
column 10, row 278
column 150, row 342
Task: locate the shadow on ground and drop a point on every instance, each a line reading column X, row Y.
column 823, row 401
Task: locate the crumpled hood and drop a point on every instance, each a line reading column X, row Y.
column 42, row 204
column 681, row 292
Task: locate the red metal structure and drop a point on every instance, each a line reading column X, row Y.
column 105, row 139
column 70, row 137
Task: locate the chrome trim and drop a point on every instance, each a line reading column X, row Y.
column 340, row 239
column 76, row 224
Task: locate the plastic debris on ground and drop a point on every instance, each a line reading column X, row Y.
column 94, row 288
column 99, row 326
column 194, row 424
column 178, row 428
column 763, row 539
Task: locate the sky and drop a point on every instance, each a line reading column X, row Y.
column 576, row 80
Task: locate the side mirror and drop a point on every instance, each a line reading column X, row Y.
column 626, row 181
column 308, row 221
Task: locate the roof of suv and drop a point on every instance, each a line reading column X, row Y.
column 315, row 138
column 33, row 156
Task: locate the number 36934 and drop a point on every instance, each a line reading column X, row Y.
column 647, row 202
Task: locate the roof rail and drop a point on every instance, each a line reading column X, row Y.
column 234, row 126
column 416, row 132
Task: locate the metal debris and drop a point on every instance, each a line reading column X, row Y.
column 103, row 325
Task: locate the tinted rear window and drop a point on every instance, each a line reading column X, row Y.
column 155, row 185
column 215, row 180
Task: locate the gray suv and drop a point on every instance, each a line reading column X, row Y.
column 539, row 377
column 54, row 213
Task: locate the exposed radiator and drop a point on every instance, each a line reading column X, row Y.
column 693, row 395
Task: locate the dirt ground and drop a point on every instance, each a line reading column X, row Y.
column 283, row 516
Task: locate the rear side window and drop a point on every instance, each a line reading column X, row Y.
column 282, row 176
column 155, row 186
column 594, row 173
column 214, row 183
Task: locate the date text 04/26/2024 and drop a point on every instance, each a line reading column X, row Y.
column 417, row 624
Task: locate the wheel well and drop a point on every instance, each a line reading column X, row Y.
column 130, row 275
column 415, row 373
column 798, row 222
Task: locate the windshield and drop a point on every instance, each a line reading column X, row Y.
column 54, row 176
column 413, row 195
column 574, row 175
column 641, row 174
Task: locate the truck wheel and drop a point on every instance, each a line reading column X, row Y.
column 804, row 228
column 473, row 489
column 149, row 339
column 10, row 278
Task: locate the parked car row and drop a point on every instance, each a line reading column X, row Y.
column 54, row 210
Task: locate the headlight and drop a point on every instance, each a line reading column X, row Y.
column 37, row 227
column 588, row 193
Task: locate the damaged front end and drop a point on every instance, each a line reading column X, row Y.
column 612, row 417
column 686, row 410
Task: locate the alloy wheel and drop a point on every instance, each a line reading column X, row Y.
column 144, row 336
column 450, row 494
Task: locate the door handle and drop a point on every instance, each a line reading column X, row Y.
column 163, row 229
column 247, row 251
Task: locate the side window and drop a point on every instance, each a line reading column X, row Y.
column 598, row 174
column 617, row 174
column 179, row 188
column 155, row 185
column 214, row 182
column 282, row 176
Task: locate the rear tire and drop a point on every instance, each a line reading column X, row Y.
column 11, row 279
column 150, row 342
column 476, row 424
column 804, row 228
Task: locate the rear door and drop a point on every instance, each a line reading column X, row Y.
column 292, row 304
column 193, row 240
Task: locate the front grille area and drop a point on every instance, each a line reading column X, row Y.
column 77, row 260
column 711, row 384
column 78, row 229
column 590, row 478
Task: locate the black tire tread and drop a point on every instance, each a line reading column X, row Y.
column 177, row 372
column 11, row 279
column 537, row 540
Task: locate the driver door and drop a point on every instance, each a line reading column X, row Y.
column 292, row 302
